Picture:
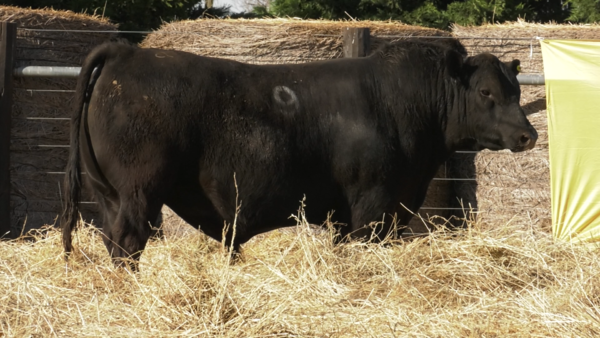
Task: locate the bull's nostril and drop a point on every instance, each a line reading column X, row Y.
column 525, row 139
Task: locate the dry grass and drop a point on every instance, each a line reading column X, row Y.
column 508, row 281
column 500, row 39
column 265, row 41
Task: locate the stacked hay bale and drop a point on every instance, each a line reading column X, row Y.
column 292, row 41
column 35, row 167
column 267, row 41
column 515, row 187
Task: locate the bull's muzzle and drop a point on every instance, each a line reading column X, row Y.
column 526, row 140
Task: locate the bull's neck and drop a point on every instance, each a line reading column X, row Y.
column 456, row 132
column 420, row 109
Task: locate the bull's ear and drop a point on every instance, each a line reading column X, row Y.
column 514, row 66
column 454, row 63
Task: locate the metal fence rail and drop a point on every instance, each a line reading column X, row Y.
column 46, row 71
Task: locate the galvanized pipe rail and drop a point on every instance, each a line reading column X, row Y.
column 531, row 79
column 46, row 71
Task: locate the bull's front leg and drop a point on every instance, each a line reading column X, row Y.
column 370, row 215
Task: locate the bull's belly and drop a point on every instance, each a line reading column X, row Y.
column 209, row 204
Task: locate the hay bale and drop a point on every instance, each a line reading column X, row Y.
column 35, row 194
column 269, row 41
column 516, row 187
column 264, row 41
column 519, row 40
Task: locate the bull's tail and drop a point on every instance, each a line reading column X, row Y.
column 90, row 71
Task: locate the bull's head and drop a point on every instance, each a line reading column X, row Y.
column 492, row 117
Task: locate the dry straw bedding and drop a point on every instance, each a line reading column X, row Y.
column 271, row 40
column 509, row 281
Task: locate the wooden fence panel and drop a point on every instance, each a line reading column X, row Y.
column 8, row 38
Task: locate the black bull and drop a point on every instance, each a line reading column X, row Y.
column 360, row 137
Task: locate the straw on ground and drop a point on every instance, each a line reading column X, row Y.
column 507, row 281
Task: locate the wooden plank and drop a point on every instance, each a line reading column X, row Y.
column 356, row 42
column 8, row 38
column 34, row 214
column 39, row 199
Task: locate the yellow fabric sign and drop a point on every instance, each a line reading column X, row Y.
column 572, row 74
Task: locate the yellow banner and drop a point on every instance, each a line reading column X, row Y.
column 572, row 74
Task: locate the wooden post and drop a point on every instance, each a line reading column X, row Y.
column 8, row 38
column 356, row 42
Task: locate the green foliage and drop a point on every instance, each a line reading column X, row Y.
column 315, row 9
column 150, row 14
column 431, row 13
column 129, row 14
column 427, row 15
column 545, row 11
column 475, row 12
column 260, row 11
column 301, row 8
column 145, row 14
column 584, row 11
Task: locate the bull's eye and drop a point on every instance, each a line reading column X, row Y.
column 485, row 92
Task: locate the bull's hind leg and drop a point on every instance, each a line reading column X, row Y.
column 126, row 237
column 109, row 208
